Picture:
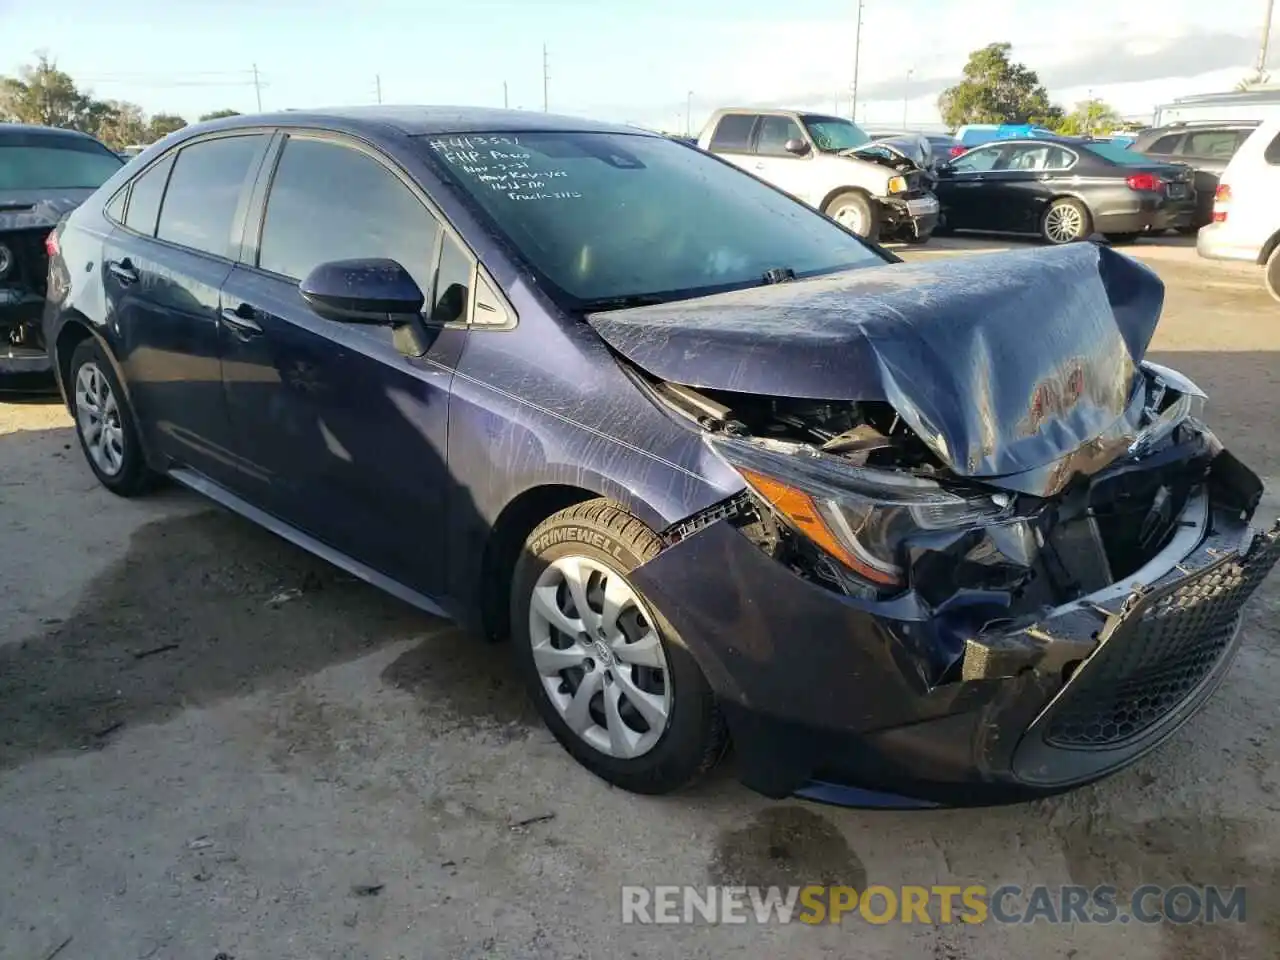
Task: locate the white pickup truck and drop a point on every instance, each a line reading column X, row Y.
column 871, row 187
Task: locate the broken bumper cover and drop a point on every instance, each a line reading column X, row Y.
column 20, row 308
column 825, row 695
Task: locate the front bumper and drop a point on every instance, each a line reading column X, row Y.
column 826, row 695
column 915, row 214
column 19, row 309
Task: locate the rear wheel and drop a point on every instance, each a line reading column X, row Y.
column 853, row 211
column 105, row 423
column 1272, row 277
column 610, row 678
column 1066, row 221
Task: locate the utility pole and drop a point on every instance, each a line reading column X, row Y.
column 546, row 75
column 688, row 114
column 906, row 96
column 1266, row 42
column 257, row 87
column 857, row 55
column 377, row 82
column 505, row 103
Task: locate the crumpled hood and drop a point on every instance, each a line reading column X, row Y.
column 1002, row 363
column 29, row 209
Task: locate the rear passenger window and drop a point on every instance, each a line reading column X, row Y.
column 332, row 202
column 204, row 190
column 144, row 198
column 1167, row 144
column 1272, row 153
column 1216, row 144
column 733, row 133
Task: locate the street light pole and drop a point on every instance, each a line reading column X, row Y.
column 906, row 97
column 857, row 55
column 688, row 114
column 1266, row 42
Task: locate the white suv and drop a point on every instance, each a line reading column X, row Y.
column 1246, row 208
column 872, row 188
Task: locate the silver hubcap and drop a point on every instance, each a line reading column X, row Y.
column 849, row 216
column 98, row 418
column 599, row 657
column 1063, row 223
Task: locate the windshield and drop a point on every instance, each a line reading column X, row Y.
column 831, row 134
column 54, row 163
column 605, row 216
column 1117, row 154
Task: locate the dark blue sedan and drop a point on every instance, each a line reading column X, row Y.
column 722, row 471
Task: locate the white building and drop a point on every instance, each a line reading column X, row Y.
column 1259, row 103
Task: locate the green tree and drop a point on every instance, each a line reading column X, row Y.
column 118, row 123
column 45, row 95
column 1089, row 117
column 163, row 124
column 219, row 114
column 995, row 89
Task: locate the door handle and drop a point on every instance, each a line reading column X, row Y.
column 759, row 166
column 241, row 321
column 123, row 271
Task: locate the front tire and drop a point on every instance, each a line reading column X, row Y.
column 1066, row 221
column 1272, row 275
column 105, row 424
column 853, row 211
column 608, row 674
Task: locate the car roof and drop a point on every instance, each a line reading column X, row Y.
column 426, row 120
column 29, row 129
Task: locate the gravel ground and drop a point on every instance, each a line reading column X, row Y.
column 214, row 744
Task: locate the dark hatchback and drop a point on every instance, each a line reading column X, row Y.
column 720, row 469
column 1064, row 190
column 44, row 173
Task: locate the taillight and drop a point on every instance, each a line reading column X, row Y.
column 1145, row 181
column 1221, row 197
column 957, row 150
column 51, row 244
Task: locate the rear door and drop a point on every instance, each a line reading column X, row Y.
column 348, row 434
column 164, row 265
column 732, row 139
column 1028, row 176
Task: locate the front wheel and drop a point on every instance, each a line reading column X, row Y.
column 1272, row 276
column 853, row 211
column 1066, row 221
column 607, row 673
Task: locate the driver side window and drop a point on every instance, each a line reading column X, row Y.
column 774, row 134
column 977, row 161
column 329, row 201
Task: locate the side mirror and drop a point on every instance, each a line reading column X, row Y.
column 943, row 170
column 797, row 146
column 362, row 291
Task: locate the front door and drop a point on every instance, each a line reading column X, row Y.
column 786, row 171
column 349, row 433
column 163, row 268
column 963, row 192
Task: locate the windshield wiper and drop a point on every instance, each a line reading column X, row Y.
column 622, row 303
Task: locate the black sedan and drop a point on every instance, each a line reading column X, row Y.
column 1064, row 190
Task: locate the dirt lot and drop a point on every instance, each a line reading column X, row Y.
column 213, row 744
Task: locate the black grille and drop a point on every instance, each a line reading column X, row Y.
column 1157, row 651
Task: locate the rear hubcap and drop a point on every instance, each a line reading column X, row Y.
column 599, row 657
column 1063, row 223
column 98, row 419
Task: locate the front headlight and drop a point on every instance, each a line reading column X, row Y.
column 861, row 517
column 897, row 184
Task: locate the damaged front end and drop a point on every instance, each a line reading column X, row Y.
column 1020, row 596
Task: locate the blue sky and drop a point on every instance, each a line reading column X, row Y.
column 626, row 60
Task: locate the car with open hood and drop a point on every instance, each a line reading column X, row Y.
column 44, row 173
column 876, row 189
column 721, row 471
